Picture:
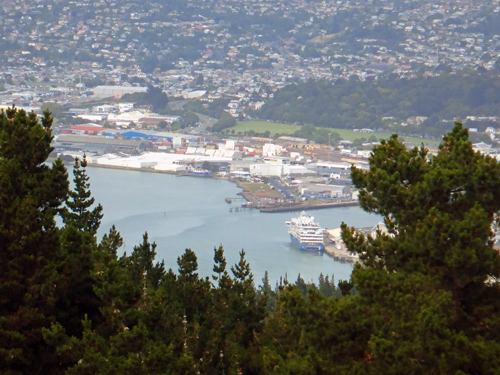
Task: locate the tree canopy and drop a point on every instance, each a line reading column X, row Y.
column 433, row 277
column 154, row 96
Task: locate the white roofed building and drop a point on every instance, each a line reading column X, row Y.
column 117, row 90
column 270, row 149
column 126, row 117
column 266, row 170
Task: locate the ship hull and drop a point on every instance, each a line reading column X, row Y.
column 313, row 247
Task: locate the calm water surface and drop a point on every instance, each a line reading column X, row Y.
column 190, row 212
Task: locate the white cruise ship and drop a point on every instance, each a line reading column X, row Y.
column 306, row 233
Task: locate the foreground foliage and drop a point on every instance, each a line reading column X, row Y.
column 423, row 300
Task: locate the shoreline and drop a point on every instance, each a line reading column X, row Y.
column 290, row 207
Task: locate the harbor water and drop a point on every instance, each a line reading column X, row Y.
column 191, row 212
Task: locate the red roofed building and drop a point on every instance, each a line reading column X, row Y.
column 82, row 129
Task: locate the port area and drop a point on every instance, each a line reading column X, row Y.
column 336, row 248
column 268, row 200
column 259, row 196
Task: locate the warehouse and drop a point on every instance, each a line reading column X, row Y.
column 117, row 90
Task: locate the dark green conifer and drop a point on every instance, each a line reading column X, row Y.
column 31, row 194
column 301, row 285
column 79, row 299
column 345, row 287
column 266, row 286
column 241, row 270
column 141, row 266
column 188, row 265
column 220, row 268
column 431, row 282
column 327, row 287
column 77, row 212
column 266, row 290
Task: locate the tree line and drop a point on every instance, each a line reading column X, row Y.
column 153, row 97
column 424, row 298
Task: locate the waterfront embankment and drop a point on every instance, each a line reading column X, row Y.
column 257, row 199
column 340, row 255
column 309, row 207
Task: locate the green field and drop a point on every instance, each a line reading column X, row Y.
column 349, row 135
column 262, row 126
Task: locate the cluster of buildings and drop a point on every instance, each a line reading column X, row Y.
column 74, row 44
column 123, row 115
column 249, row 158
column 66, row 51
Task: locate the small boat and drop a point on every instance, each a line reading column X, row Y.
column 198, row 172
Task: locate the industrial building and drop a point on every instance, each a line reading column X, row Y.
column 117, row 90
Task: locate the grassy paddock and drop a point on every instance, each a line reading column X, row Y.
column 262, row 126
column 255, row 187
column 350, row 135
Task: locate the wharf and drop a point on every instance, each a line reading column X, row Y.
column 187, row 174
column 309, row 207
column 231, row 199
column 341, row 255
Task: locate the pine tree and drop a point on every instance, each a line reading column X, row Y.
column 301, row 285
column 266, row 291
column 220, row 269
column 247, row 311
column 188, row 265
column 430, row 283
column 80, row 200
column 31, row 194
column 140, row 264
column 194, row 291
column 241, row 270
column 266, row 286
column 112, row 284
column 78, row 300
column 77, row 297
column 327, row 287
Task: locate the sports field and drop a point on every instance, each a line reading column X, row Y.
column 349, row 135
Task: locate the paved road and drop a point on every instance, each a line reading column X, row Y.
column 177, row 104
column 288, row 192
column 206, row 122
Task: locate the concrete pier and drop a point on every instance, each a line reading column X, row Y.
column 341, row 255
